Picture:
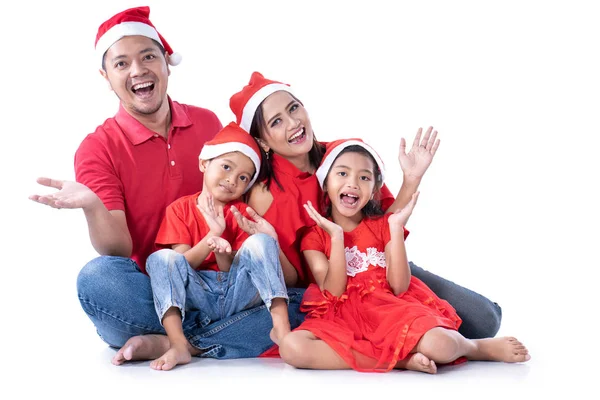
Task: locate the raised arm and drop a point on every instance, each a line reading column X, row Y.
column 414, row 164
column 398, row 270
column 330, row 274
column 108, row 230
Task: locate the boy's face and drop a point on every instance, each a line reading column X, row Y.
column 226, row 177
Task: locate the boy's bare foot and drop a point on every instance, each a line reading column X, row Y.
column 176, row 355
column 507, row 349
column 418, row 362
column 278, row 333
column 145, row 347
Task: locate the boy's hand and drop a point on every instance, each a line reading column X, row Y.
column 218, row 245
column 212, row 215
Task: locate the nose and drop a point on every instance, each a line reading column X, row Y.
column 137, row 68
column 293, row 123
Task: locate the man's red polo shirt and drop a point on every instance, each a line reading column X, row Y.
column 133, row 169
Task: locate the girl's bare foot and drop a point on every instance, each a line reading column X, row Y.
column 146, row 347
column 177, row 354
column 418, row 362
column 507, row 349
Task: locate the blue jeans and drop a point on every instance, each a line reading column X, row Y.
column 255, row 277
column 118, row 299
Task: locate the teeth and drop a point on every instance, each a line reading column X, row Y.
column 350, row 195
column 141, row 85
column 297, row 135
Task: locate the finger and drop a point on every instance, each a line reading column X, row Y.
column 255, row 216
column 435, row 147
column 55, row 183
column 431, row 141
column 417, row 139
column 426, row 137
column 220, row 211
column 402, row 149
column 312, row 214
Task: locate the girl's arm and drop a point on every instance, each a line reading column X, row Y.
column 398, row 271
column 414, row 164
column 329, row 274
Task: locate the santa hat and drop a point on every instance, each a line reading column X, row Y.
column 245, row 102
column 333, row 150
column 229, row 139
column 131, row 22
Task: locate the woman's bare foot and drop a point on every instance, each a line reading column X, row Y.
column 146, row 347
column 418, row 362
column 176, row 355
column 507, row 349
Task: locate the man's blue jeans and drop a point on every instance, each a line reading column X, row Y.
column 118, row 299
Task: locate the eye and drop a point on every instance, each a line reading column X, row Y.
column 276, row 121
column 294, row 107
column 244, row 178
column 365, row 178
column 120, row 64
column 149, row 57
column 342, row 173
column 226, row 167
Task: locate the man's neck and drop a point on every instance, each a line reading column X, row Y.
column 158, row 122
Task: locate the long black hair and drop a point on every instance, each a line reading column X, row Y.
column 315, row 155
column 373, row 207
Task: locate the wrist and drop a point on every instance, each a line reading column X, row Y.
column 411, row 181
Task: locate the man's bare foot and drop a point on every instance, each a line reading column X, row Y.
column 176, row 355
column 507, row 349
column 417, row 362
column 145, row 347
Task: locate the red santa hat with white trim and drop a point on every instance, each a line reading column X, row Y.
column 333, row 150
column 233, row 138
column 245, row 102
column 131, row 22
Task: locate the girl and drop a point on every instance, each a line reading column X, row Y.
column 365, row 311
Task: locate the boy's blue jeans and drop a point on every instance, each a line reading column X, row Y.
column 118, row 299
column 255, row 278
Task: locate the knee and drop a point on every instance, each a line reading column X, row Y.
column 293, row 352
column 489, row 321
column 440, row 345
column 164, row 260
column 93, row 273
column 260, row 242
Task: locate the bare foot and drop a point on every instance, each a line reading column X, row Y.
column 507, row 349
column 277, row 333
column 176, row 355
column 145, row 347
column 418, row 362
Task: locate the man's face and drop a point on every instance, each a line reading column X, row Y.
column 138, row 73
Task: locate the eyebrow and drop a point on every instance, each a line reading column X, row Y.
column 278, row 114
column 146, row 50
column 362, row 170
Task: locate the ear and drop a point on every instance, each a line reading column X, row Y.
column 168, row 65
column 203, row 165
column 263, row 145
column 105, row 76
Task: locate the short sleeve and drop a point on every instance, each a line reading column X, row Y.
column 94, row 169
column 386, row 230
column 313, row 240
column 173, row 229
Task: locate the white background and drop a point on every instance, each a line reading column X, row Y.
column 508, row 208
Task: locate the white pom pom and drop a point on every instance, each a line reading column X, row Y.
column 175, row 59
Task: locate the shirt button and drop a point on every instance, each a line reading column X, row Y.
column 156, row 135
column 172, row 163
column 169, row 146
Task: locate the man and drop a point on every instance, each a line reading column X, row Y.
column 128, row 171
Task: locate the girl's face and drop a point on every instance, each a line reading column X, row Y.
column 350, row 184
column 287, row 129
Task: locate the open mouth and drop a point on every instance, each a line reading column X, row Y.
column 143, row 89
column 349, row 200
column 298, row 137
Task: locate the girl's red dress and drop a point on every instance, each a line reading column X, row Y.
column 368, row 326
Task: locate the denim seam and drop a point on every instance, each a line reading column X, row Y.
column 105, row 312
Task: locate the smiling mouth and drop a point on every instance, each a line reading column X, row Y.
column 143, row 89
column 298, row 137
column 349, row 200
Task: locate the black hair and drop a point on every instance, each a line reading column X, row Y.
column 373, row 207
column 160, row 48
column 315, row 155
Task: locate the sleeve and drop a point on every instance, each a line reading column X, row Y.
column 386, row 230
column 313, row 240
column 94, row 169
column 173, row 229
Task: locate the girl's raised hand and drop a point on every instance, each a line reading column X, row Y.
column 399, row 218
column 417, row 160
column 334, row 230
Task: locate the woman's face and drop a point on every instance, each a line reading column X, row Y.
column 287, row 129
